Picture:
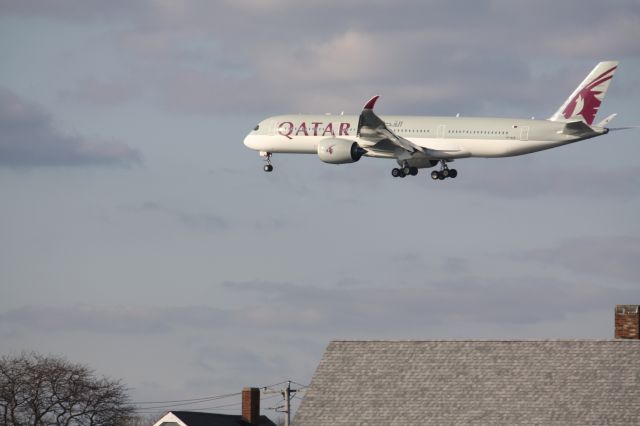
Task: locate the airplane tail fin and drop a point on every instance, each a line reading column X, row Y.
column 584, row 102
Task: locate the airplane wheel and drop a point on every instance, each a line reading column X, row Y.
column 395, row 172
column 406, row 171
column 435, row 175
column 453, row 173
column 268, row 168
column 441, row 175
column 445, row 172
column 413, row 171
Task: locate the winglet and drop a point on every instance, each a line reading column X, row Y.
column 371, row 103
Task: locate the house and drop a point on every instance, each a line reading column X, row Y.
column 250, row 415
column 550, row 382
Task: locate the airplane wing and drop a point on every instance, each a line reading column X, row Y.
column 372, row 128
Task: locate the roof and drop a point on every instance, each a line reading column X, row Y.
column 194, row 418
column 474, row 382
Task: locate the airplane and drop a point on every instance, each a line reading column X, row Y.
column 417, row 142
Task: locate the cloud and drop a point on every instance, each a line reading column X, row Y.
column 227, row 361
column 73, row 10
column 102, row 93
column 205, row 221
column 521, row 179
column 29, row 139
column 194, row 58
column 126, row 320
column 611, row 257
column 376, row 311
column 113, row 319
column 455, row 265
column 521, row 300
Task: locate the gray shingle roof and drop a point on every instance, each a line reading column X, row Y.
column 474, row 382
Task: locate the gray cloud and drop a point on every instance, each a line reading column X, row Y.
column 193, row 57
column 84, row 318
column 102, row 93
column 522, row 300
column 70, row 9
column 613, row 257
column 519, row 179
column 225, row 362
column 348, row 308
column 206, row 221
column 113, row 319
column 30, row 139
column 455, row 265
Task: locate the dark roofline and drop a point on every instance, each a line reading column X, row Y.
column 479, row 340
column 200, row 418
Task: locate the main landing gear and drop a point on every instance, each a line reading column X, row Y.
column 267, row 157
column 404, row 171
column 444, row 172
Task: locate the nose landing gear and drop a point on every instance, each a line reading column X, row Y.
column 267, row 158
column 444, row 172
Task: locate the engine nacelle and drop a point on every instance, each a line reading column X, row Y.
column 339, row 151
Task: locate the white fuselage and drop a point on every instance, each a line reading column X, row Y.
column 445, row 137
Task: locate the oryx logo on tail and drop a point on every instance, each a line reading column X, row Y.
column 584, row 102
column 588, row 100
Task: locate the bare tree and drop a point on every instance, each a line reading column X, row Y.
column 143, row 420
column 37, row 390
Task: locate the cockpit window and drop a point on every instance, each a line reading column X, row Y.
column 256, row 128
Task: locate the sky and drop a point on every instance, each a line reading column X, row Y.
column 140, row 237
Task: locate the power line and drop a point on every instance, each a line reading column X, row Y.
column 202, row 399
column 166, row 405
column 233, row 404
column 300, row 384
column 185, row 403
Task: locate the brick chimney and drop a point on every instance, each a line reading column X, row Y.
column 251, row 405
column 627, row 321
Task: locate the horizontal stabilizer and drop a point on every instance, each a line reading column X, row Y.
column 577, row 128
column 612, row 129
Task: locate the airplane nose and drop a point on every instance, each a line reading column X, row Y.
column 254, row 142
column 247, row 141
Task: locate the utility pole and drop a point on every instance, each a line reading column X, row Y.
column 287, row 393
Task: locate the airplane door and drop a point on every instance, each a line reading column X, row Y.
column 524, row 133
column 441, row 130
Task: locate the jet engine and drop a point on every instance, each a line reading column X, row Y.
column 339, row 151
